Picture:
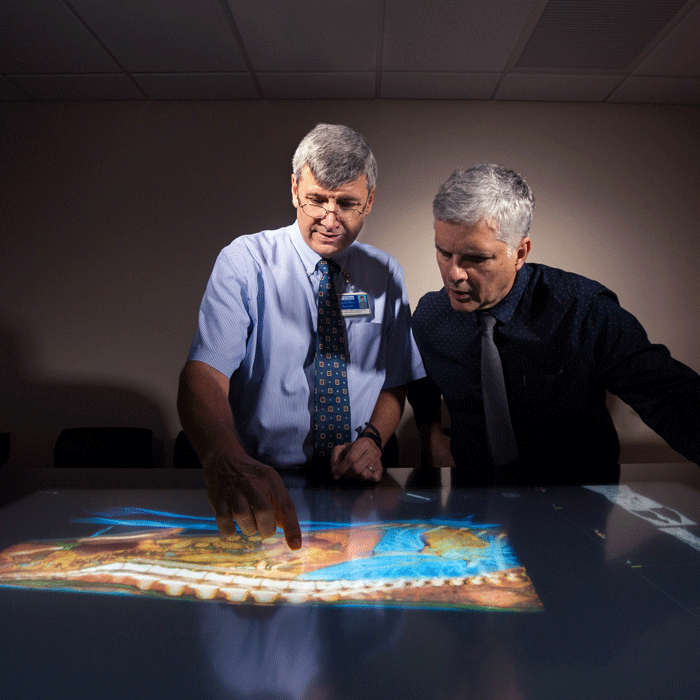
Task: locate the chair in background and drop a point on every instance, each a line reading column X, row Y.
column 105, row 447
column 184, row 455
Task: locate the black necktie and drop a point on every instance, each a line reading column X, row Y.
column 499, row 429
column 331, row 402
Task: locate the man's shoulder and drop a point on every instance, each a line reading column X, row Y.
column 556, row 295
column 364, row 251
column 246, row 254
column 431, row 305
column 260, row 242
column 437, row 297
column 562, row 283
column 365, row 261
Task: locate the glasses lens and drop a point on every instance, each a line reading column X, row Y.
column 314, row 211
column 318, row 212
column 348, row 214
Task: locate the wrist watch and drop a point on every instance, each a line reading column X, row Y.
column 371, row 432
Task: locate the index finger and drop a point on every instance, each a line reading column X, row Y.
column 222, row 511
column 286, row 516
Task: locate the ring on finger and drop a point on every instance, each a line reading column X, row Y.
column 371, row 469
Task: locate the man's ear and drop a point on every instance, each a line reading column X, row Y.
column 295, row 191
column 370, row 201
column 522, row 251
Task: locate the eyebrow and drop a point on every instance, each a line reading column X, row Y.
column 350, row 199
column 470, row 254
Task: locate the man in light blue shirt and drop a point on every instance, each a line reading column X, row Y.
column 246, row 395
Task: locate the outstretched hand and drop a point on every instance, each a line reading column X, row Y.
column 252, row 495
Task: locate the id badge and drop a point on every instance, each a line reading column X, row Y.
column 355, row 304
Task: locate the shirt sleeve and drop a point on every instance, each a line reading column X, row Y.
column 403, row 361
column 424, row 395
column 226, row 314
column 664, row 392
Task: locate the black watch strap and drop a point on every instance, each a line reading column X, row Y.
column 371, row 432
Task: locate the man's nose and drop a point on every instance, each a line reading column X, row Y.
column 455, row 273
column 330, row 218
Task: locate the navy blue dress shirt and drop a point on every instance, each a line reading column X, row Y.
column 564, row 340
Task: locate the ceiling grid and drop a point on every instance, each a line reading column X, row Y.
column 639, row 51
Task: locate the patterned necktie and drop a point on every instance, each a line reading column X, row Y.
column 499, row 429
column 331, row 402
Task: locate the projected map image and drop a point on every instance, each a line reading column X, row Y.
column 433, row 563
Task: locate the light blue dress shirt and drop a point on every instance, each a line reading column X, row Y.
column 257, row 325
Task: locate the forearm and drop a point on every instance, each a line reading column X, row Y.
column 388, row 411
column 205, row 412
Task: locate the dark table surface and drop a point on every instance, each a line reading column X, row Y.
column 617, row 570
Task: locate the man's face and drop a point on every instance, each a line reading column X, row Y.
column 475, row 267
column 328, row 236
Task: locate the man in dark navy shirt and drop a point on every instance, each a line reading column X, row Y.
column 563, row 340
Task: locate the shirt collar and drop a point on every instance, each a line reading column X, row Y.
column 310, row 257
column 504, row 310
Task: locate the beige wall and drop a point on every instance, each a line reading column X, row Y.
column 113, row 213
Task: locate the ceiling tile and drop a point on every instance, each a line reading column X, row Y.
column 315, row 86
column 196, row 86
column 595, row 34
column 679, row 53
column 658, row 90
column 112, row 86
column 46, row 37
column 309, row 35
column 557, row 88
column 452, row 35
column 439, row 86
column 173, row 36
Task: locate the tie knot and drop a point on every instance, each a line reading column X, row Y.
column 487, row 321
column 327, row 266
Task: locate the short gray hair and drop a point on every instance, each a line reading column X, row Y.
column 490, row 192
column 336, row 155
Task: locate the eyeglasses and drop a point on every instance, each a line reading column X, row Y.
column 345, row 214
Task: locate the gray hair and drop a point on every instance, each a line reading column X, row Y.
column 490, row 192
column 336, row 156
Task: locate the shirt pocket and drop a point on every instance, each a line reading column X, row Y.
column 364, row 346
